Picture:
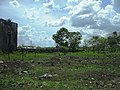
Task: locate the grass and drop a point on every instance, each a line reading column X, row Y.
column 73, row 71
column 25, row 56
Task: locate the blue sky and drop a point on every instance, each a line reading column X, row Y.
column 39, row 19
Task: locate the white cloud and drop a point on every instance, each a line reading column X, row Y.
column 86, row 7
column 26, row 27
column 60, row 5
column 49, row 5
column 56, row 23
column 81, row 14
column 14, row 3
column 68, row 7
column 36, row 0
column 37, row 15
column 90, row 14
column 55, row 4
column 107, row 19
column 116, row 20
column 31, row 13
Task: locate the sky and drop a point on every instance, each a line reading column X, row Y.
column 38, row 20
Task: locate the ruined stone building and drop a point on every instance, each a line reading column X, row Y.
column 8, row 35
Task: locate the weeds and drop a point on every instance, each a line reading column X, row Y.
column 73, row 71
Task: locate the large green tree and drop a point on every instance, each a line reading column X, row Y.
column 61, row 37
column 74, row 40
column 71, row 40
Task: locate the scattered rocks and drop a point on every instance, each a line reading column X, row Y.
column 47, row 75
column 92, row 79
column 22, row 72
column 19, row 73
column 26, row 72
column 16, row 67
column 1, row 62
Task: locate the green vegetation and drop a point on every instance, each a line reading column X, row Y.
column 56, row 71
column 70, row 40
column 23, row 56
column 111, row 43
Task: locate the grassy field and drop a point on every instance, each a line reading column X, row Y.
column 55, row 71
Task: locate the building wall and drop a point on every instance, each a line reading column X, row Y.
column 8, row 35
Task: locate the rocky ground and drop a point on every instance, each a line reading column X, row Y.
column 82, row 73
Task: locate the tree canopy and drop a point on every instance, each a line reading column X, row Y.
column 110, row 43
column 71, row 40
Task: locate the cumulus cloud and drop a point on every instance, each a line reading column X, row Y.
column 56, row 23
column 26, row 27
column 68, row 7
column 90, row 17
column 81, row 14
column 49, row 5
column 90, row 14
column 14, row 3
column 106, row 19
column 37, row 15
column 55, row 4
column 70, row 4
column 116, row 20
column 32, row 13
column 60, row 5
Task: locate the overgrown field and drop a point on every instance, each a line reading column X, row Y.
column 55, row 71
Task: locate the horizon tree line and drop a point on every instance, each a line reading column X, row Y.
column 71, row 41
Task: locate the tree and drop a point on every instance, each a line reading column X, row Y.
column 67, row 39
column 74, row 40
column 93, row 42
column 102, row 43
column 61, row 37
column 113, row 41
column 98, row 43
